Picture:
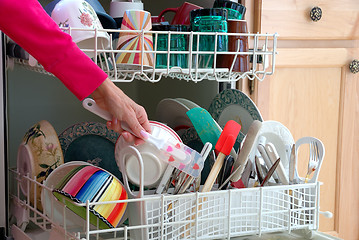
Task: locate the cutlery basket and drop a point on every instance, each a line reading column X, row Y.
column 219, row 214
column 224, row 214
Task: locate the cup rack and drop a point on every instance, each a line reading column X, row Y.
column 262, row 52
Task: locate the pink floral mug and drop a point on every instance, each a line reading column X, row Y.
column 80, row 15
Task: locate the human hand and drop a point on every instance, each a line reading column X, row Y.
column 112, row 99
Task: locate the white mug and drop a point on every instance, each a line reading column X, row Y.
column 118, row 9
column 80, row 14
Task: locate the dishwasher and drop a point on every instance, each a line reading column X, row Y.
column 30, row 94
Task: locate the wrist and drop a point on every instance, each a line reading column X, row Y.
column 104, row 88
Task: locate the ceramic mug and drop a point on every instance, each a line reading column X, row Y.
column 236, row 44
column 106, row 20
column 80, row 14
column 118, row 9
column 182, row 16
column 136, row 50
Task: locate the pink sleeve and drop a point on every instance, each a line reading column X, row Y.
column 27, row 23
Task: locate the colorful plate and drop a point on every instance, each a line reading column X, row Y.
column 91, row 142
column 232, row 104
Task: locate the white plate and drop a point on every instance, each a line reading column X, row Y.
column 280, row 136
column 188, row 103
column 232, row 104
column 173, row 113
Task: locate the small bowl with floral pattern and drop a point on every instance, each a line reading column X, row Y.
column 86, row 28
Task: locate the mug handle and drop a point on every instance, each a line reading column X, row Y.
column 167, row 10
column 120, row 159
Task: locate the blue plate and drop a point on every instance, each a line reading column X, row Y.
column 91, row 142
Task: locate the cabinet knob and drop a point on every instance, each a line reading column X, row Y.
column 316, row 14
column 354, row 66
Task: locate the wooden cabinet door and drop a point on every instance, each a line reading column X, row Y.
column 313, row 93
column 291, row 19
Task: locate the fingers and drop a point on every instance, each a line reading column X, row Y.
column 123, row 109
column 137, row 120
column 130, row 138
column 114, row 125
column 143, row 119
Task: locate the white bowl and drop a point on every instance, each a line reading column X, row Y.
column 154, row 165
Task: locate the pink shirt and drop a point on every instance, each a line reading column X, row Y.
column 27, row 23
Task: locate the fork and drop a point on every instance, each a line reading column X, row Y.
column 314, row 157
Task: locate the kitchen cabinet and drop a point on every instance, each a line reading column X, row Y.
column 314, row 93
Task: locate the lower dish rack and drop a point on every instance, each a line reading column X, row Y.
column 221, row 214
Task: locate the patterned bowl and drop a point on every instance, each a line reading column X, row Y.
column 94, row 184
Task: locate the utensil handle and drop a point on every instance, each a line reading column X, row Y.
column 213, row 173
column 91, row 105
column 267, row 160
column 273, row 156
column 248, row 145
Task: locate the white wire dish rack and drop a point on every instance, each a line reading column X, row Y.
column 262, row 51
column 213, row 215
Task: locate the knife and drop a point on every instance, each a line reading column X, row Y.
column 261, row 149
column 260, row 173
column 273, row 156
column 270, row 172
column 292, row 165
column 225, row 171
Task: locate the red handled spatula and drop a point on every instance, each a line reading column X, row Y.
column 206, row 127
column 223, row 146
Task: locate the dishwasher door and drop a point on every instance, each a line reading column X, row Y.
column 295, row 235
column 3, row 165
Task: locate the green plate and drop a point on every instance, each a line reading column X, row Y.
column 232, row 104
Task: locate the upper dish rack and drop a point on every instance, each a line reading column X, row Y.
column 262, row 52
